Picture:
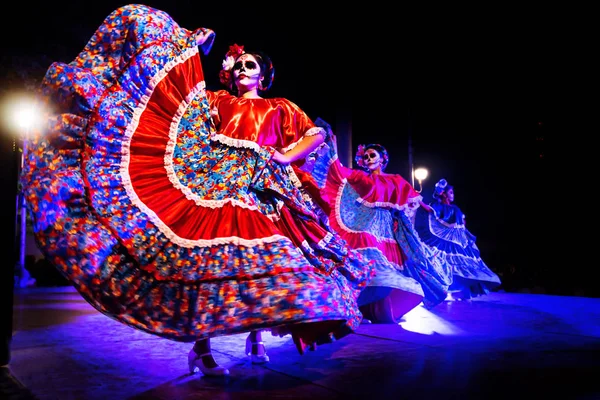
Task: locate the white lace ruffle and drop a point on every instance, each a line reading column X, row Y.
column 338, row 215
column 126, row 158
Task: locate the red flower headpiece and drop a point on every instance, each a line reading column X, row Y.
column 225, row 74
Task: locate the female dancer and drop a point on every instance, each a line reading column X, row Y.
column 442, row 226
column 371, row 209
column 177, row 211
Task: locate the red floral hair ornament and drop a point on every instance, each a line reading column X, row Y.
column 232, row 54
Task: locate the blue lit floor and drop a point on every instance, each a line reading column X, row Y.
column 503, row 345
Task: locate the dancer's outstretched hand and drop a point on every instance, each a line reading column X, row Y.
column 202, row 36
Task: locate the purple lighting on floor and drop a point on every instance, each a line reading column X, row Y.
column 420, row 320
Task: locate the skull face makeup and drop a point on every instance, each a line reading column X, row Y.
column 372, row 159
column 246, row 72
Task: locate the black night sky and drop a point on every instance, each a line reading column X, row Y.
column 481, row 96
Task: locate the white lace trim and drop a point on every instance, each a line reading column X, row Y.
column 384, row 204
column 126, row 157
column 132, row 127
column 248, row 144
column 316, row 131
column 169, row 167
column 311, row 132
column 234, row 240
column 338, row 215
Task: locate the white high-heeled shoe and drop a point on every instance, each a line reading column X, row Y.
column 256, row 358
column 195, row 361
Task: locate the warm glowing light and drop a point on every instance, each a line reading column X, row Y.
column 421, row 174
column 21, row 113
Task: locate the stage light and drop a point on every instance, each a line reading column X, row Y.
column 22, row 114
column 420, row 175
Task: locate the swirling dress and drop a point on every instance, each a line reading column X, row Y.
column 371, row 212
column 162, row 221
column 444, row 231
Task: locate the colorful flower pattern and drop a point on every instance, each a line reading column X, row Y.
column 92, row 221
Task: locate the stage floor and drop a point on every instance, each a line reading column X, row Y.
column 504, row 345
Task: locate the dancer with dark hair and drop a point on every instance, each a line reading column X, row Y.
column 177, row 210
column 371, row 209
column 442, row 226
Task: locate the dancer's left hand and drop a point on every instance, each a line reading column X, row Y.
column 202, row 36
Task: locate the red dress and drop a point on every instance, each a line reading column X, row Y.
column 166, row 224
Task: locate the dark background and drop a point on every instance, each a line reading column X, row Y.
column 487, row 96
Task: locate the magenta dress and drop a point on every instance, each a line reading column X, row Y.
column 362, row 206
column 372, row 213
